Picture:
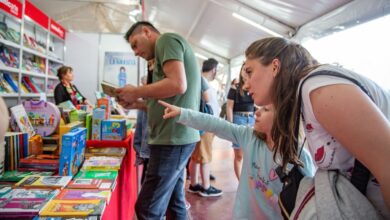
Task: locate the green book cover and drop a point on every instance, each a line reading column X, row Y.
column 4, row 189
column 15, row 176
column 88, row 125
column 97, row 174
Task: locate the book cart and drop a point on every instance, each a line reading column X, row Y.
column 123, row 198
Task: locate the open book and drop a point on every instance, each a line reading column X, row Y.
column 109, row 89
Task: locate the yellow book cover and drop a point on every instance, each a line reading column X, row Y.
column 75, row 208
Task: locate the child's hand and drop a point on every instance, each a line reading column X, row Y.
column 170, row 111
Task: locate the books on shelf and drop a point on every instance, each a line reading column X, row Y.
column 9, row 57
column 9, row 82
column 44, row 182
column 78, row 208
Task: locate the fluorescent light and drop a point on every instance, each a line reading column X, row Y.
column 201, row 56
column 247, row 20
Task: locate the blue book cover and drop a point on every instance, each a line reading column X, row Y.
column 10, row 81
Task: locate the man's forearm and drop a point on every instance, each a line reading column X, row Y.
column 161, row 89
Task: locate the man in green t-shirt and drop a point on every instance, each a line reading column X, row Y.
column 176, row 80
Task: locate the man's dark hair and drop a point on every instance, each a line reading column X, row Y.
column 135, row 28
column 209, row 64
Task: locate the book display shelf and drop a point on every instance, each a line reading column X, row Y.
column 32, row 47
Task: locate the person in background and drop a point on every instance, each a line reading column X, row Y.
column 141, row 146
column 122, row 75
column 202, row 155
column 65, row 90
column 223, row 107
column 240, row 111
column 342, row 123
column 259, row 185
column 176, row 79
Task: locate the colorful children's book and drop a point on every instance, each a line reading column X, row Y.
column 102, row 184
column 72, row 151
column 105, row 151
column 44, row 182
column 16, row 176
column 84, row 194
column 75, row 208
column 114, row 129
column 31, row 193
column 102, row 163
column 25, row 208
column 97, row 174
column 4, row 189
column 21, row 118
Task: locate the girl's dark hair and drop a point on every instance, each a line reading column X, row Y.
column 295, row 63
column 62, row 71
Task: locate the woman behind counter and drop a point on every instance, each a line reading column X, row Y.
column 65, row 90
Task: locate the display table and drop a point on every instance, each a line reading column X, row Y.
column 121, row 206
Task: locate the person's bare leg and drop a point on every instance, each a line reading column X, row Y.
column 194, row 173
column 205, row 175
column 237, row 162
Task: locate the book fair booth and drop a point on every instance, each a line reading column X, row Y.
column 60, row 160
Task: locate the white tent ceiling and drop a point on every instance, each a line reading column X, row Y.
column 209, row 24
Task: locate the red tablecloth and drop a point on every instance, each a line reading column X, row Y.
column 121, row 206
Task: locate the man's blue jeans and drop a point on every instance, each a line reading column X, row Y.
column 164, row 184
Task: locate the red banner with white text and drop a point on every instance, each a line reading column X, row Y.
column 36, row 15
column 12, row 7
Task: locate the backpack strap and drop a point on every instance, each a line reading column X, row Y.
column 360, row 174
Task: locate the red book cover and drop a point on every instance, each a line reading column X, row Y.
column 30, row 84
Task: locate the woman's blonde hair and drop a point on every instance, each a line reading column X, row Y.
column 295, row 63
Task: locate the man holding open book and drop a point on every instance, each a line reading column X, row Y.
column 176, row 80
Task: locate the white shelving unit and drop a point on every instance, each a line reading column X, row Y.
column 39, row 51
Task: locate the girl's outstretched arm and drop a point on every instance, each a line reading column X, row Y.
column 206, row 122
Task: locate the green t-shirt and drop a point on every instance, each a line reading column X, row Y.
column 171, row 46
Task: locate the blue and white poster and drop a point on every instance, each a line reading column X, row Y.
column 120, row 68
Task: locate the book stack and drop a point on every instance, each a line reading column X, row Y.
column 102, row 184
column 24, row 203
column 39, row 163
